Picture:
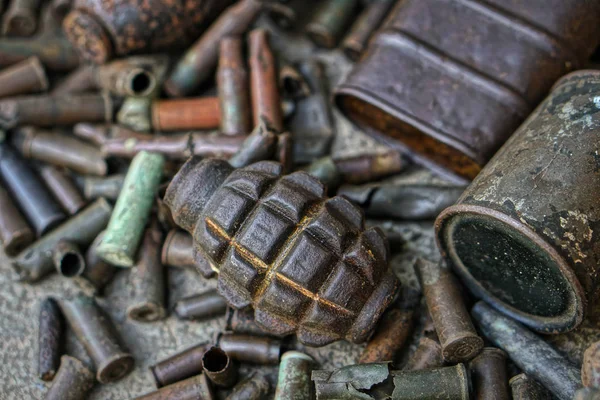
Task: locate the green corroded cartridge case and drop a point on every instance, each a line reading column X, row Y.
column 294, row 377
column 132, row 209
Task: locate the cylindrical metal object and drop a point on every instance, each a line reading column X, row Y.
column 132, row 76
column 367, row 22
column 366, row 168
column 96, row 332
column 528, row 351
column 180, row 366
column 330, row 20
column 264, row 83
column 525, row 388
column 242, row 321
column 232, row 85
column 200, row 60
column 63, row 189
column 523, row 48
column 186, row 114
column 522, row 235
column 147, row 279
column 21, row 18
column 177, row 250
column 51, row 111
column 448, row 383
column 453, row 325
column 259, row 145
column 219, row 367
column 79, row 81
column 201, row 306
column 108, row 187
column 28, row 76
column 61, row 150
column 28, row 191
column 194, row 388
column 51, row 331
column 284, row 152
column 67, row 259
column 489, row 376
column 126, row 226
column 97, row 271
column 15, row 233
column 427, row 355
column 35, row 261
column 72, row 382
column 100, row 31
column 293, row 382
column 100, row 134
column 250, row 349
column 590, row 370
column 254, row 387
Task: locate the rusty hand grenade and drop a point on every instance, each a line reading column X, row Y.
column 303, row 261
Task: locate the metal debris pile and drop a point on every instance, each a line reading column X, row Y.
column 145, row 145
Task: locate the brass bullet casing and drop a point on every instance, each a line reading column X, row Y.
column 452, row 321
column 293, row 382
column 362, row 29
column 232, row 86
column 264, row 83
column 528, row 351
column 97, row 334
column 524, row 387
column 97, row 271
column 15, row 233
column 330, row 21
column 137, row 76
column 67, row 259
column 521, row 236
column 61, row 150
column 147, row 279
column 35, row 262
column 94, row 187
column 55, row 111
column 427, row 355
column 200, row 60
column 27, row 76
column 250, row 349
column 179, row 366
column 100, row 31
column 72, row 382
column 243, row 237
column 177, row 250
column 590, row 370
column 63, row 188
column 126, row 227
column 254, row 387
column 51, row 331
column 186, row 114
column 28, row 191
column 489, row 375
column 196, row 387
column 201, row 306
column 219, row 367
column 21, row 18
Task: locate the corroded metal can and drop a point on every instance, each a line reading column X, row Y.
column 522, row 48
column 522, row 236
column 270, row 237
column 100, row 30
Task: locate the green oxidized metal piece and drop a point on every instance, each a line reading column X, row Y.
column 132, row 209
column 294, row 377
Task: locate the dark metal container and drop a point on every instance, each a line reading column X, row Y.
column 489, row 376
column 272, row 237
column 15, row 233
column 528, row 351
column 522, row 236
column 97, row 334
column 63, row 188
column 101, row 30
column 28, row 76
column 201, row 306
column 51, row 339
column 232, row 84
column 72, row 382
column 472, row 72
column 219, row 367
column 180, row 366
column 28, row 191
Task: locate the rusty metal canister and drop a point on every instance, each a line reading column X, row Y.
column 522, row 236
column 306, row 263
column 471, row 74
column 100, row 30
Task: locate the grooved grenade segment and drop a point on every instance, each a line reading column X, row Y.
column 305, row 262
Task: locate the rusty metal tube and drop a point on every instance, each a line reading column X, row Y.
column 28, row 76
column 184, row 114
column 232, row 85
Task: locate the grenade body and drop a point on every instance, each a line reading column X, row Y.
column 304, row 262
